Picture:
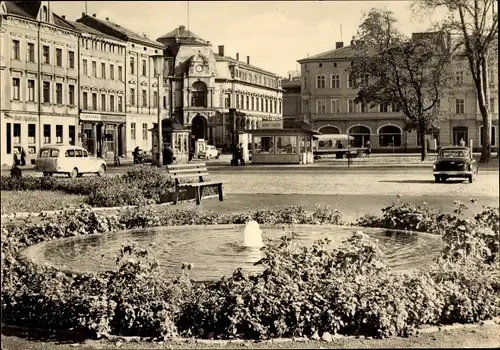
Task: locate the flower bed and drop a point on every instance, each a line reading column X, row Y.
column 301, row 292
column 140, row 186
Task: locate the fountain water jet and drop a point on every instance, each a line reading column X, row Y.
column 252, row 235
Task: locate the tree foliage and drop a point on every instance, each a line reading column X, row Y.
column 475, row 23
column 410, row 73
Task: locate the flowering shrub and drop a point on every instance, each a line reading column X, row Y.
column 302, row 291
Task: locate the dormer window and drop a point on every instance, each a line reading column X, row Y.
column 45, row 14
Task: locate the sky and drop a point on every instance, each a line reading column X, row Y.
column 275, row 34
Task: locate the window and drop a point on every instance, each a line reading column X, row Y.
column 72, row 134
column 111, row 72
column 59, row 134
column 31, row 90
column 112, row 103
column 459, row 78
column 94, row 101
column 389, row 136
column 103, row 102
column 237, row 100
column 384, row 108
column 71, row 95
column 31, row 133
column 280, row 106
column 164, row 102
column 17, row 133
column 459, row 106
column 144, row 131
column 120, row 73
column 103, row 70
column 132, row 97
column 492, row 136
column 493, row 105
column 46, row 133
column 352, row 106
column 363, row 107
column 16, row 50
column 305, row 106
column 59, row 57
column 46, row 92
column 321, row 106
column 71, row 59
column 31, row 52
column 227, row 100
column 247, row 105
column 144, row 67
column 320, row 81
column 264, row 144
column 85, row 68
column 132, row 65
column 46, row 54
column 275, row 106
column 59, row 93
column 155, row 99
column 16, row 89
column 252, row 103
column 132, row 131
column 78, row 153
column 144, row 98
column 395, row 107
column 85, row 102
column 335, row 106
column 335, row 81
column 94, row 69
column 286, row 144
column 120, row 104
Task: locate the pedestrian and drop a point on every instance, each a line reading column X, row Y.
column 191, row 153
column 242, row 153
column 135, row 154
column 462, row 142
column 368, row 146
column 16, row 158
column 169, row 155
column 23, row 156
column 16, row 172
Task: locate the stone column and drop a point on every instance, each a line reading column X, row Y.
column 94, row 139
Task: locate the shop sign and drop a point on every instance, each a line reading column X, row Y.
column 271, row 124
column 90, row 117
column 113, row 118
column 23, row 118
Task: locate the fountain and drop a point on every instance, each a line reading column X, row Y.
column 218, row 250
column 252, row 235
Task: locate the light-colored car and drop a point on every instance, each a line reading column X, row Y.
column 66, row 159
column 212, row 152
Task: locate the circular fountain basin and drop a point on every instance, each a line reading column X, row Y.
column 217, row 250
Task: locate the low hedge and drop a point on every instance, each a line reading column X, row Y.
column 301, row 291
column 140, row 186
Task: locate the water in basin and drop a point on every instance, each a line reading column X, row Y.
column 215, row 250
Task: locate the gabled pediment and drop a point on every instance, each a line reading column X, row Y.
column 3, row 8
column 44, row 13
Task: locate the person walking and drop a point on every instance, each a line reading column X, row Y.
column 23, row 156
column 169, row 155
column 368, row 146
column 242, row 153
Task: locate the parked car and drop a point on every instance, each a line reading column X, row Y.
column 212, row 152
column 66, row 159
column 455, row 161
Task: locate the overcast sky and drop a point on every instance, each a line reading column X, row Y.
column 275, row 34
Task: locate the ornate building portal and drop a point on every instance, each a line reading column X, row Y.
column 199, row 127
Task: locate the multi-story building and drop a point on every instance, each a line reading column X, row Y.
column 38, row 79
column 291, row 101
column 328, row 105
column 102, row 92
column 142, row 93
column 204, row 85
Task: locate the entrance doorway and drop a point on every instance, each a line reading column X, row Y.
column 360, row 134
column 459, row 133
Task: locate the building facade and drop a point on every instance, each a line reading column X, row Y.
column 204, row 85
column 292, row 101
column 39, row 79
column 143, row 97
column 328, row 105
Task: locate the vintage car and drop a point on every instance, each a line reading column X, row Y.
column 455, row 161
column 66, row 159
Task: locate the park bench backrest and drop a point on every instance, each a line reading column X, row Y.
column 183, row 171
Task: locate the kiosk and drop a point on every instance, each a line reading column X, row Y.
column 175, row 134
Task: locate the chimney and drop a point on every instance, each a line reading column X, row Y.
column 339, row 44
column 63, row 17
column 221, row 50
column 289, row 76
column 93, row 15
column 237, row 56
column 107, row 19
column 248, row 59
column 83, row 14
column 182, row 27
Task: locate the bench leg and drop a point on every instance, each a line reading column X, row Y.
column 176, row 196
column 219, row 187
column 198, row 196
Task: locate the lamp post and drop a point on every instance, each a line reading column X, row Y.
column 158, row 68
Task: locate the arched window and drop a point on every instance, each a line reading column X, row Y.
column 45, row 14
column 389, row 136
column 329, row 130
column 199, row 94
column 360, row 135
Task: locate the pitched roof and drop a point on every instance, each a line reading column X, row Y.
column 20, row 9
column 182, row 33
column 243, row 64
column 127, row 33
column 343, row 52
column 86, row 29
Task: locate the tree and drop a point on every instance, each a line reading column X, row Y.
column 476, row 23
column 410, row 73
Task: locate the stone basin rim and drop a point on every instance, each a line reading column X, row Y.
column 28, row 254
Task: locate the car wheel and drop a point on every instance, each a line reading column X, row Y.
column 101, row 171
column 74, row 173
column 471, row 178
column 437, row 178
column 217, row 157
column 443, row 178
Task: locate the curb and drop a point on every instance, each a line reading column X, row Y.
column 105, row 209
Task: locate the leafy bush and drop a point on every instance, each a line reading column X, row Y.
column 301, row 291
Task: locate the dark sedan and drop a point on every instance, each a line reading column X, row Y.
column 455, row 162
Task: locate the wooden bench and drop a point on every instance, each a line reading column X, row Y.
column 184, row 171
